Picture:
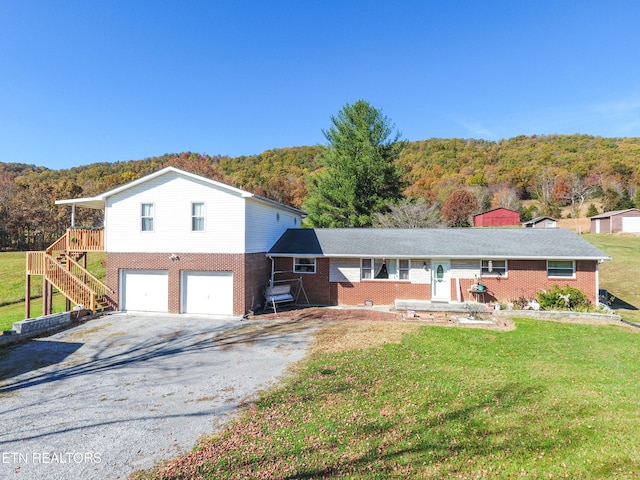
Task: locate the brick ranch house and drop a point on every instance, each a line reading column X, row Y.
column 180, row 243
column 380, row 266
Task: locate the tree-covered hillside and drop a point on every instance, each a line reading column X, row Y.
column 556, row 170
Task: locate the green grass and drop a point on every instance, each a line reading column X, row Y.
column 621, row 275
column 547, row 400
column 12, row 287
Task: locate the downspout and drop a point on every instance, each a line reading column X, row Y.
column 598, row 283
column 273, row 270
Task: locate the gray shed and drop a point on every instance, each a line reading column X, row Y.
column 617, row 221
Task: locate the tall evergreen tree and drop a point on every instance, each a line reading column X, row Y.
column 359, row 175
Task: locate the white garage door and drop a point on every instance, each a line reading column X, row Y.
column 145, row 290
column 207, row 292
column 631, row 224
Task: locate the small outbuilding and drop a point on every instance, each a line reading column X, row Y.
column 617, row 221
column 541, row 222
column 498, row 217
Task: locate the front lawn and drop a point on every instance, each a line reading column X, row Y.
column 546, row 400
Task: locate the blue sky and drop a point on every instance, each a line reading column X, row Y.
column 85, row 81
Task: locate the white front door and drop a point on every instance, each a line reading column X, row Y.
column 440, row 281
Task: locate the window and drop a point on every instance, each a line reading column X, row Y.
column 561, row 268
column 403, row 269
column 146, row 215
column 304, row 265
column 497, row 268
column 197, row 217
column 384, row 269
column 366, row 269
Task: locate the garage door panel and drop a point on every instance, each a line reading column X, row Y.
column 145, row 291
column 207, row 293
column 631, row 224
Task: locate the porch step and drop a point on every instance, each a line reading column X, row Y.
column 428, row 306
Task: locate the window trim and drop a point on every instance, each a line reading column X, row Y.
column 392, row 264
column 496, row 270
column 297, row 264
column 573, row 268
column 203, row 216
column 147, row 217
column 407, row 269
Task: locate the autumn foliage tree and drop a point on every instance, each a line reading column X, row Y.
column 409, row 214
column 459, row 208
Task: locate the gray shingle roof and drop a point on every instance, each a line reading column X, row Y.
column 538, row 219
column 472, row 243
column 613, row 213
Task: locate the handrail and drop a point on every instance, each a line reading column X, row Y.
column 78, row 240
column 59, row 245
column 69, row 285
column 88, row 278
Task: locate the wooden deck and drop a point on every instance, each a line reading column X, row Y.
column 59, row 268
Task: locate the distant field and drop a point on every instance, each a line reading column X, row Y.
column 12, row 287
column 619, row 276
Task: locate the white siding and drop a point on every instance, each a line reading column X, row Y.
column 172, row 195
column 265, row 224
column 465, row 268
column 233, row 224
column 344, row 270
column 419, row 272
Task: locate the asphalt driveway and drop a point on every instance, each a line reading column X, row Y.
column 122, row 392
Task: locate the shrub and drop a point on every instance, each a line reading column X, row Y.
column 592, row 211
column 563, row 298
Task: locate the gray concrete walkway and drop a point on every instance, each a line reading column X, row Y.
column 122, row 392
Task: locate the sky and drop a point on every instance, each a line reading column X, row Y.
column 86, row 81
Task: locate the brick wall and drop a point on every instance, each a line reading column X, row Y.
column 321, row 292
column 380, row 292
column 315, row 285
column 250, row 273
column 257, row 273
column 525, row 278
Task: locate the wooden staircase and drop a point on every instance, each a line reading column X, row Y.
column 60, row 267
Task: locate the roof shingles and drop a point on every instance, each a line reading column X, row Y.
column 460, row 243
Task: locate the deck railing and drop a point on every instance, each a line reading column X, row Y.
column 35, row 263
column 73, row 280
column 85, row 276
column 78, row 240
column 72, row 287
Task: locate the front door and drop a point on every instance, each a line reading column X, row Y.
column 440, row 281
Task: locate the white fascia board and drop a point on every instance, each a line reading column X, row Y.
column 433, row 257
column 96, row 203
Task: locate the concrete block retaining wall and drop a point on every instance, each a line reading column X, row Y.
column 32, row 327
